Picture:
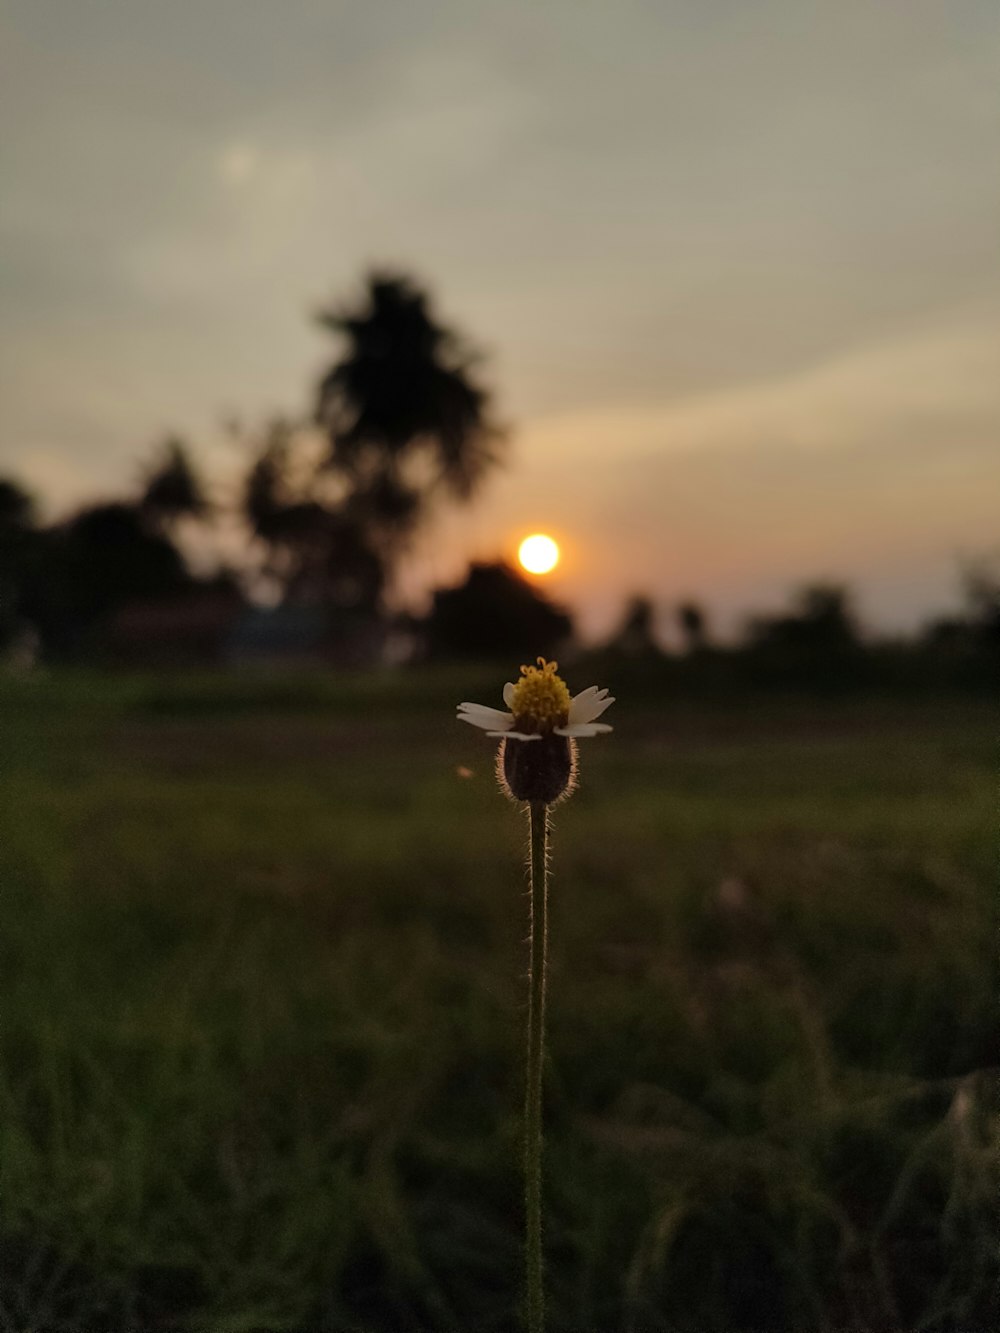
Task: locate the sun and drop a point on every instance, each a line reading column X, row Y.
column 538, row 554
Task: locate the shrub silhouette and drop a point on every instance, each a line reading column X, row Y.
column 495, row 613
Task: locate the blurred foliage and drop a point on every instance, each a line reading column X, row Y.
column 18, row 536
column 494, row 613
column 404, row 421
column 403, row 402
column 693, row 623
column 317, row 552
column 93, row 564
column 173, row 489
column 262, row 970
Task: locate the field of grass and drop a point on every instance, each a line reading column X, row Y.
column 262, row 999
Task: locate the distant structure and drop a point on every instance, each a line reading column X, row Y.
column 191, row 629
column 304, row 636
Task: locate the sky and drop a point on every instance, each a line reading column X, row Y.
column 733, row 266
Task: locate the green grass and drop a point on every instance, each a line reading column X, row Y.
column 262, row 984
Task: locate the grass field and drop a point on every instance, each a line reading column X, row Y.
column 262, row 970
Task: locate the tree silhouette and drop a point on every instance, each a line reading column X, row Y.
column 173, row 489
column 317, row 552
column 817, row 641
column 693, row 624
column 981, row 589
column 17, row 508
column 637, row 635
column 18, row 547
column 403, row 421
column 402, row 411
column 90, row 566
column 495, row 613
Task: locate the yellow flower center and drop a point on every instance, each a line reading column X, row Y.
column 541, row 699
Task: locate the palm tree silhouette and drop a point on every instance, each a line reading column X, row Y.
column 403, row 412
column 403, row 421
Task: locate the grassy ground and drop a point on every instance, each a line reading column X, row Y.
column 262, row 972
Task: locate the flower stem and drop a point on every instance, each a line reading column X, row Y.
column 539, row 823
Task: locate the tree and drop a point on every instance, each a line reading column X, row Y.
column 318, row 552
column 822, row 622
column 981, row 588
column 495, row 613
column 403, row 413
column 18, row 546
column 90, row 566
column 637, row 635
column 816, row 644
column 403, row 421
column 17, row 508
column 693, row 625
column 973, row 636
column 173, row 489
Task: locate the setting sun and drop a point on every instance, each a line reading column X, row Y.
column 538, row 554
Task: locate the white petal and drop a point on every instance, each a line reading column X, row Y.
column 588, row 704
column 600, row 706
column 483, row 722
column 508, row 695
column 588, row 693
column 579, row 729
column 482, row 710
column 581, row 703
column 516, row 735
column 481, row 716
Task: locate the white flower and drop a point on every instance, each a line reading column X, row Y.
column 540, row 705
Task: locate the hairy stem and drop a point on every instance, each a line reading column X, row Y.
column 538, row 816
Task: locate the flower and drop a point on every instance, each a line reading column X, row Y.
column 540, row 705
column 540, row 710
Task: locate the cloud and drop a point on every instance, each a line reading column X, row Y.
column 238, row 163
column 936, row 383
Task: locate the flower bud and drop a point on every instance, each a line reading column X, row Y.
column 542, row 770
